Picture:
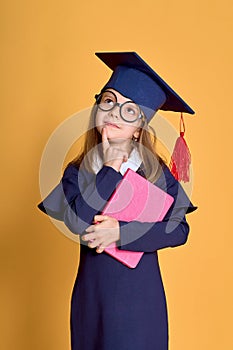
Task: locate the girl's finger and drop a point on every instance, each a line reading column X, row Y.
column 89, row 237
column 98, row 218
column 94, row 243
column 99, row 249
column 90, row 228
column 105, row 143
column 125, row 157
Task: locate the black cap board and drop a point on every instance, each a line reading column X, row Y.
column 135, row 79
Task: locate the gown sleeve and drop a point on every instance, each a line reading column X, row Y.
column 80, row 196
column 170, row 232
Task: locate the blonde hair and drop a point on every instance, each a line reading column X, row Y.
column 146, row 145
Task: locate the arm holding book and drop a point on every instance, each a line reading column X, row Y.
column 154, row 236
column 172, row 231
column 149, row 236
column 77, row 209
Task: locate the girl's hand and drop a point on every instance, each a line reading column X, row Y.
column 113, row 156
column 103, row 233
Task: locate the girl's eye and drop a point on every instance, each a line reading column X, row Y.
column 108, row 101
column 131, row 111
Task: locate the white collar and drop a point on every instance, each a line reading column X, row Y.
column 134, row 161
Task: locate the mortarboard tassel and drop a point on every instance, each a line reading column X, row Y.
column 181, row 156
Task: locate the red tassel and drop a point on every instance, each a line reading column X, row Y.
column 181, row 157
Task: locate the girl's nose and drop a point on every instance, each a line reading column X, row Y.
column 115, row 112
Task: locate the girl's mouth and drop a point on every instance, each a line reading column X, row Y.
column 112, row 125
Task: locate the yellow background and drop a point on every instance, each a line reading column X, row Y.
column 49, row 72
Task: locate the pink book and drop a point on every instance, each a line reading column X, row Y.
column 135, row 199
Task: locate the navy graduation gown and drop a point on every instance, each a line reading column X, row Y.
column 114, row 307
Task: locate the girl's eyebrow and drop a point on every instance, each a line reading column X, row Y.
column 128, row 100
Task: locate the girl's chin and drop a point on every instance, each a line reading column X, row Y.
column 113, row 135
column 118, row 140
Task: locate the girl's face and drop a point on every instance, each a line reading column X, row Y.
column 116, row 127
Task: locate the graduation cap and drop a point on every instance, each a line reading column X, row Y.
column 135, row 79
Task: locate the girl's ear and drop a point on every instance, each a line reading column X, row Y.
column 136, row 134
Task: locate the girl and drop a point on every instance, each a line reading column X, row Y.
column 114, row 307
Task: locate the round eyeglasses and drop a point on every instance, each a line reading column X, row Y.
column 129, row 111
